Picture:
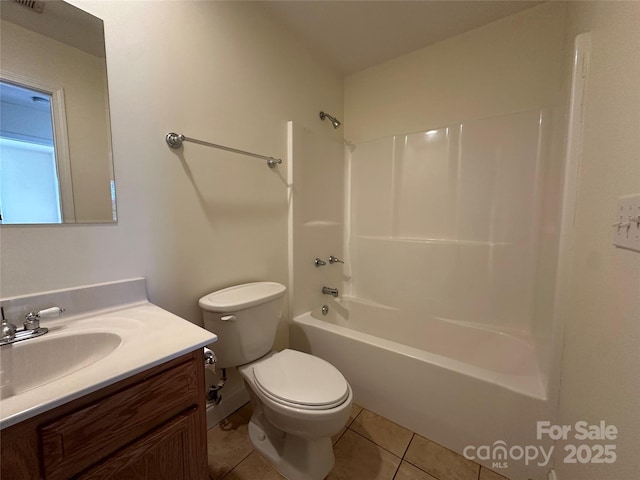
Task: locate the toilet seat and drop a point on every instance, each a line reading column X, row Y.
column 300, row 380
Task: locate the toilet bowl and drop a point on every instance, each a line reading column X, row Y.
column 299, row 401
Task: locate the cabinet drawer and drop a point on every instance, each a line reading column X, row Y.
column 80, row 439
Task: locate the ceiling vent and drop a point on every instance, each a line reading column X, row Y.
column 34, row 5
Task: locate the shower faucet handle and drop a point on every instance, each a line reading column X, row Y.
column 333, row 260
column 318, row 262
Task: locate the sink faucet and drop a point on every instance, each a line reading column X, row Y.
column 330, row 291
column 7, row 329
column 31, row 327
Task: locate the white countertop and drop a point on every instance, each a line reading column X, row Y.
column 148, row 336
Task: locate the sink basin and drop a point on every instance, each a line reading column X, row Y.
column 108, row 333
column 31, row 363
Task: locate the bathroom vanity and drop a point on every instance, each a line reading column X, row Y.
column 135, row 410
column 151, row 425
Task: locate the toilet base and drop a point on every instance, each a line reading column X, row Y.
column 294, row 457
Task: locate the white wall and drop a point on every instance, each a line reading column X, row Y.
column 200, row 219
column 600, row 379
column 510, row 65
column 317, row 211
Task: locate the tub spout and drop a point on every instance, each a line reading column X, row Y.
column 330, row 291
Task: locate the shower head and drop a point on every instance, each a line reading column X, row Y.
column 334, row 121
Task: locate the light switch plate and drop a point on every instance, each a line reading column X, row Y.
column 626, row 233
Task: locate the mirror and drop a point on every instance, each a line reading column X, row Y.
column 55, row 136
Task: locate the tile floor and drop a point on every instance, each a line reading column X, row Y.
column 370, row 447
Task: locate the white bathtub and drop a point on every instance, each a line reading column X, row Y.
column 456, row 384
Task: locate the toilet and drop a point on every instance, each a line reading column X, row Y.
column 299, row 401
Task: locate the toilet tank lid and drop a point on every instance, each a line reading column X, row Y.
column 242, row 296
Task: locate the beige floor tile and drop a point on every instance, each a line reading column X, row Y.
column 486, row 474
column 439, row 461
column 355, row 410
column 383, row 432
column 359, row 459
column 254, row 467
column 337, row 436
column 409, row 472
column 227, row 445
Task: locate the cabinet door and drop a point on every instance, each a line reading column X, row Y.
column 79, row 439
column 169, row 452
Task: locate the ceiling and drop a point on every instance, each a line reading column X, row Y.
column 354, row 35
column 61, row 21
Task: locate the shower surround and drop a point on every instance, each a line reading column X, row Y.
column 450, row 238
column 457, row 226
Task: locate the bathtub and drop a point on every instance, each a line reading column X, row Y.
column 455, row 383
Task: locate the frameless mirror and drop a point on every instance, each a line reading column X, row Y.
column 55, row 137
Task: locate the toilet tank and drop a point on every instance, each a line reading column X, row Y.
column 245, row 318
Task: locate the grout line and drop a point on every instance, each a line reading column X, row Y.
column 421, row 469
column 408, row 445
column 354, row 418
column 236, row 465
column 369, row 440
column 402, row 458
column 397, row 470
column 341, row 435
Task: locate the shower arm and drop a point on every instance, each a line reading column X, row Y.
column 334, row 121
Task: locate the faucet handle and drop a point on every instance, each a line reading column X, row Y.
column 50, row 312
column 333, row 260
column 32, row 320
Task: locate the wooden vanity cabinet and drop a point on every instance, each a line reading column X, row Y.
column 149, row 426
